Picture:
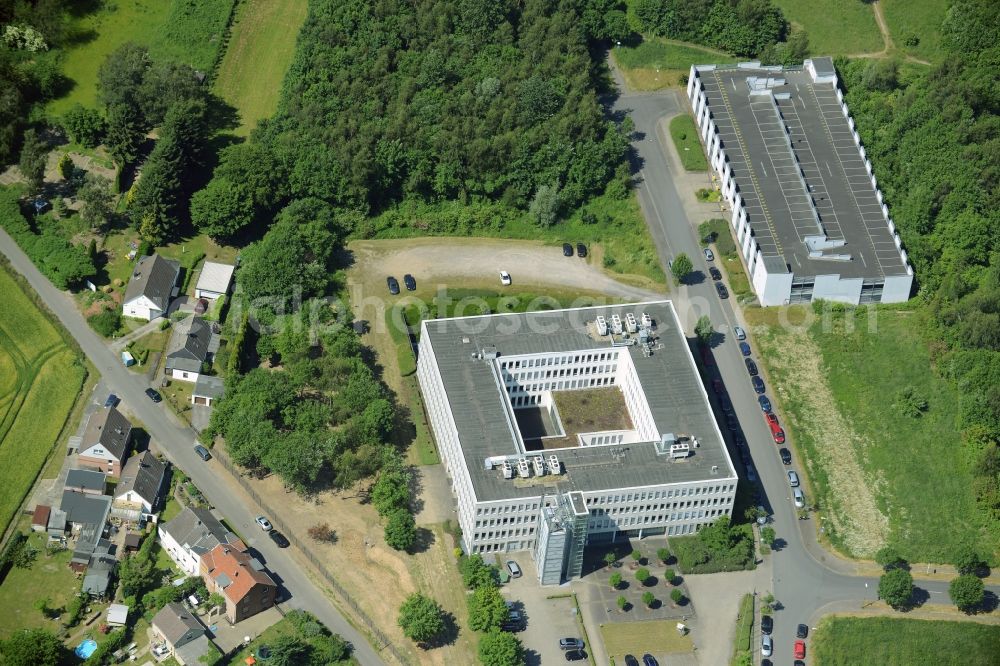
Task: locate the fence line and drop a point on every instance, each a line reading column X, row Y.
column 383, row 642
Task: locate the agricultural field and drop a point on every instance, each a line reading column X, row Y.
column 919, row 21
column 846, row 641
column 835, row 27
column 40, row 378
column 876, row 427
column 188, row 31
column 657, row 63
column 261, row 47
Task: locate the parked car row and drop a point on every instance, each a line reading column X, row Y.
column 647, row 660
column 767, row 646
column 581, row 250
column 393, row 284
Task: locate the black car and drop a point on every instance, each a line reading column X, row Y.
column 202, row 452
column 721, row 288
column 410, row 283
column 154, row 395
column 393, row 285
column 727, row 404
column 758, row 385
column 802, row 631
column 714, row 272
column 745, row 348
column 786, row 456
column 647, row 660
column 567, row 250
column 765, row 403
column 631, row 661
column 745, row 457
column 570, row 644
column 732, row 423
column 751, row 366
column 278, row 538
column 575, row 655
column 739, row 441
column 581, row 250
column 766, row 624
column 112, row 400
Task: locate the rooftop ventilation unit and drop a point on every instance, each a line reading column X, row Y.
column 647, row 322
column 523, row 470
column 602, row 325
column 508, row 470
column 680, row 451
column 631, row 325
column 616, row 324
column 539, row 464
column 554, row 466
column 490, row 352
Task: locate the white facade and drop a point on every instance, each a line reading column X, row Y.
column 183, row 375
column 181, row 554
column 141, row 308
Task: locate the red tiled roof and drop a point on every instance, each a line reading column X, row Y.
column 41, row 515
column 235, row 565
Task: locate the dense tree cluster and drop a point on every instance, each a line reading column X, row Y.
column 741, row 27
column 933, row 139
column 393, row 101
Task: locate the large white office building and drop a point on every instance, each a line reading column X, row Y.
column 525, row 477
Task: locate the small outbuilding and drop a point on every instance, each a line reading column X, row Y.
column 117, row 615
column 40, row 518
column 207, row 390
column 214, row 280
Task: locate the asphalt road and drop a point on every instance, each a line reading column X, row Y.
column 176, row 441
column 803, row 585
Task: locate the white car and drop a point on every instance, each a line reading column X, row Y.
column 505, row 278
column 765, row 646
column 793, row 479
column 264, row 523
column 740, row 333
column 708, row 255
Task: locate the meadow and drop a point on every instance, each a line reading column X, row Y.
column 835, row 27
column 846, row 641
column 40, row 379
column 916, row 20
column 657, row 63
column 260, row 50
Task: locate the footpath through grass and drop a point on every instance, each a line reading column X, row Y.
column 916, row 21
column 848, row 641
column 685, row 135
column 880, row 475
column 835, row 27
column 261, row 47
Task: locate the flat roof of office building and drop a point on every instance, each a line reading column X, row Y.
column 763, row 155
column 669, row 379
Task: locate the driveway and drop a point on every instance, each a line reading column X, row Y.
column 549, row 612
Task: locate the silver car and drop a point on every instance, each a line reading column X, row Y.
column 793, row 479
column 765, row 646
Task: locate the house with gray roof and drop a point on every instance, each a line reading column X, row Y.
column 152, row 285
column 142, row 484
column 106, row 442
column 100, row 568
column 193, row 532
column 182, row 632
column 191, row 346
column 87, row 481
column 83, row 509
column 207, row 390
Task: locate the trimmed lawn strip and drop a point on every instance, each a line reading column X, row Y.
column 744, row 629
column 260, row 51
column 654, row 636
column 835, row 27
column 842, row 641
column 685, row 136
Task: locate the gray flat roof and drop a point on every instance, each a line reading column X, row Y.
column 782, row 206
column 675, row 393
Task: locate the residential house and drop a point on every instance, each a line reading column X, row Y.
column 100, row 568
column 152, row 285
column 40, row 518
column 141, row 487
column 207, row 390
column 182, row 633
column 193, row 532
column 240, row 579
column 86, row 481
column 57, row 525
column 107, row 441
column 214, row 280
column 192, row 344
column 87, row 515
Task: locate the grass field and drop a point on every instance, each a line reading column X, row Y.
column 655, row 636
column 40, row 379
column 835, row 27
column 871, row 466
column 657, row 63
column 48, row 577
column 919, row 18
column 261, row 47
column 685, row 136
column 847, row 641
column 180, row 30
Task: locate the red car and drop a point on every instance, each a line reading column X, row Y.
column 800, row 649
column 776, row 431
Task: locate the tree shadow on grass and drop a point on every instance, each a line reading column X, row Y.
column 423, row 540
column 448, row 635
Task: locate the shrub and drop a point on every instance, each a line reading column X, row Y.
column 642, row 575
column 676, row 595
column 622, row 602
column 669, row 575
column 648, row 598
column 615, row 580
column 106, row 322
column 322, row 532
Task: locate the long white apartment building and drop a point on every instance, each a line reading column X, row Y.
column 564, row 428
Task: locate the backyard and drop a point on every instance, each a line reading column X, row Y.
column 49, row 577
column 844, row 380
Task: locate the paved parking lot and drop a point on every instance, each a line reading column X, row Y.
column 547, row 620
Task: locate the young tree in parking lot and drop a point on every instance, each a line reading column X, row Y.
column 487, row 609
column 682, row 267
column 648, row 598
column 676, row 595
column 703, row 329
column 895, row 587
column 610, row 558
column 663, row 555
column 966, row 592
column 669, row 575
column 500, row 648
column 420, row 618
column 615, row 580
column 622, row 602
column 642, row 575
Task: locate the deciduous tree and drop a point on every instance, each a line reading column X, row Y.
column 487, row 609
column 682, row 267
column 967, row 592
column 421, row 618
column 400, row 530
column 500, row 648
column 895, row 587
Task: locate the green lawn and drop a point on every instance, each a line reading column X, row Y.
column 848, row 641
column 685, row 135
column 742, row 643
column 838, row 388
column 261, row 47
column 654, row 636
column 48, row 577
column 181, row 30
column 657, row 63
column 835, row 27
column 916, row 18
